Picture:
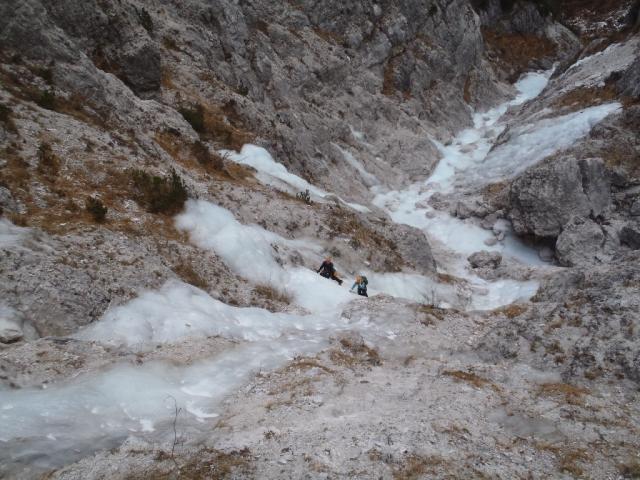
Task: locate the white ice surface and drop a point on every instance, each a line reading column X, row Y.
column 532, row 143
column 463, row 163
column 273, row 173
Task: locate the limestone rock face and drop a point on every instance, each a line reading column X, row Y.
column 10, row 325
column 545, row 197
column 630, row 235
column 579, row 243
column 377, row 78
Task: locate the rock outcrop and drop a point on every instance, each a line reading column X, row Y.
column 485, row 259
column 547, row 196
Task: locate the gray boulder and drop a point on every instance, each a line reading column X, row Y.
column 545, row 197
column 142, row 71
column 10, row 325
column 630, row 236
column 485, row 259
column 629, row 83
column 579, row 243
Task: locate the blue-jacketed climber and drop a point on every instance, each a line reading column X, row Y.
column 361, row 282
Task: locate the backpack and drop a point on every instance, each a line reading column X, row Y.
column 364, row 280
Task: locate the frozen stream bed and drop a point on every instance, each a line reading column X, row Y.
column 46, row 428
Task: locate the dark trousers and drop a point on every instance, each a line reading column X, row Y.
column 331, row 276
column 362, row 291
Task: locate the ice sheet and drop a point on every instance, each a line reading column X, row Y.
column 273, row 173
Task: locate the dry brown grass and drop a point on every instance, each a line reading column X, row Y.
column 188, row 274
column 468, row 377
column 273, row 293
column 517, row 50
column 447, row 279
column 563, row 391
column 429, row 314
column 388, row 79
column 466, row 93
column 415, row 466
column 584, row 97
column 621, row 154
column 207, row 464
column 329, row 36
column 630, row 469
column 568, row 458
column 306, row 363
column 353, row 354
column 511, row 311
column 569, row 461
column 197, row 157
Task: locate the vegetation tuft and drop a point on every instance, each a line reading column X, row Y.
column 48, row 162
column 6, row 118
column 47, row 99
column 194, row 115
column 145, row 20
column 165, row 195
column 273, row 293
column 96, row 209
column 211, row 161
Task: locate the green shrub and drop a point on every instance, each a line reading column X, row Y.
column 159, row 194
column 47, row 99
column 96, row 209
column 194, row 115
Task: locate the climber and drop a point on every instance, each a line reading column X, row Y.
column 327, row 270
column 361, row 282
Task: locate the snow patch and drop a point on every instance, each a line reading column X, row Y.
column 275, row 174
column 532, row 143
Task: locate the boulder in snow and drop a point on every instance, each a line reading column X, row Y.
column 485, row 259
